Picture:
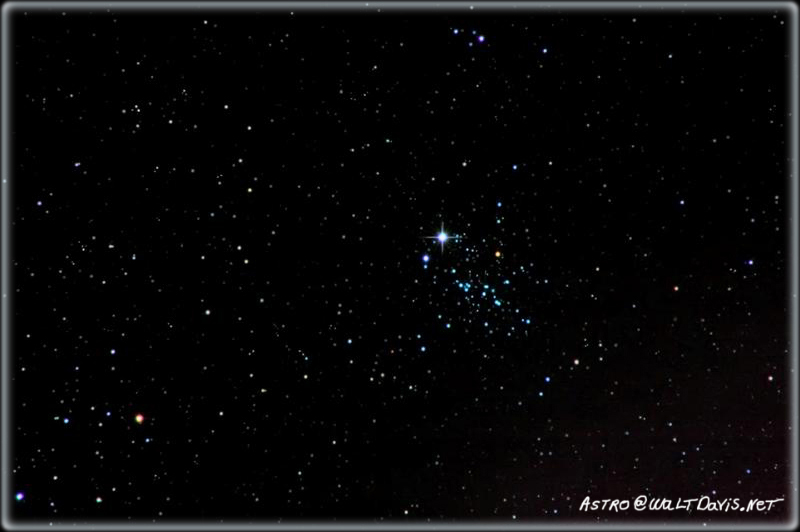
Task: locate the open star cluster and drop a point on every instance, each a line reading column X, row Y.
column 397, row 266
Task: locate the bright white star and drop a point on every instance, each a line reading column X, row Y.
column 443, row 237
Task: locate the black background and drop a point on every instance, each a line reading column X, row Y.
column 589, row 147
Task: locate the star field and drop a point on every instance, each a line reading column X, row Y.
column 407, row 266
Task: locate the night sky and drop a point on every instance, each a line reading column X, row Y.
column 398, row 266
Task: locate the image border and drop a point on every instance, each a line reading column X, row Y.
column 790, row 8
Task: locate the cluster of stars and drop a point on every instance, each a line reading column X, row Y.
column 479, row 38
column 502, row 305
column 477, row 292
